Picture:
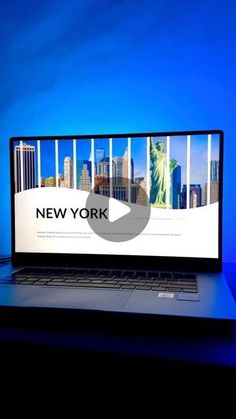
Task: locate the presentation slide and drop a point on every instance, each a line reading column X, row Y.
column 154, row 196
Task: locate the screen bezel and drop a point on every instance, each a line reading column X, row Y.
column 122, row 261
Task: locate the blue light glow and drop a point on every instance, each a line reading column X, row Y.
column 113, row 66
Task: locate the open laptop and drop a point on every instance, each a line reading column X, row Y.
column 127, row 223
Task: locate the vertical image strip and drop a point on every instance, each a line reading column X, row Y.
column 110, row 168
column 39, row 163
column 129, row 169
column 209, row 170
column 168, row 172
column 56, row 161
column 21, row 167
column 148, row 167
column 32, row 169
column 188, row 170
column 16, row 168
column 74, row 163
column 92, row 163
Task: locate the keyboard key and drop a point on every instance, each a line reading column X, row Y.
column 124, row 282
column 43, row 279
column 186, row 284
column 97, row 281
column 70, row 280
column 127, row 287
column 52, row 283
column 189, row 290
column 29, row 279
column 110, row 282
column 173, row 281
column 157, row 283
column 173, row 289
column 26, row 282
column 136, row 283
column 192, row 280
column 42, row 283
column 58, row 279
column 84, row 281
column 173, row 286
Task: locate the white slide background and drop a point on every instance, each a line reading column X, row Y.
column 186, row 233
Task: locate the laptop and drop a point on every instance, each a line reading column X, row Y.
column 124, row 223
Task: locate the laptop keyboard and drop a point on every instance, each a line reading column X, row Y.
column 115, row 279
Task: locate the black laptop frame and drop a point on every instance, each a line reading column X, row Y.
column 119, row 261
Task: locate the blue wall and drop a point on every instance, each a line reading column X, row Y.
column 93, row 66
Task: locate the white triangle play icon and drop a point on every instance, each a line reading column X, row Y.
column 117, row 210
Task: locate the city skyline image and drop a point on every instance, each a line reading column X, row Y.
column 68, row 164
column 179, row 198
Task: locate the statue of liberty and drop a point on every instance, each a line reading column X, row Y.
column 159, row 174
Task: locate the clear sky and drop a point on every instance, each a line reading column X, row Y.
column 116, row 66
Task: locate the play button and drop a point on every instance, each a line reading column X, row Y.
column 117, row 209
column 125, row 210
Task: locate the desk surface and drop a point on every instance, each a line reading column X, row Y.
column 192, row 344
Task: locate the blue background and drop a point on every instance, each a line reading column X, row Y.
column 89, row 66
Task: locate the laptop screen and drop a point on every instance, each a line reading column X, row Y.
column 141, row 195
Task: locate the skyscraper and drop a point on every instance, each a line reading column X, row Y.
column 83, row 169
column 61, row 182
column 142, row 193
column 204, row 195
column 25, row 167
column 195, row 196
column 134, row 189
column 103, row 167
column 99, row 154
column 68, row 172
column 118, row 167
column 85, row 180
column 175, row 188
column 214, row 192
column 194, row 199
column 125, row 166
column 214, row 171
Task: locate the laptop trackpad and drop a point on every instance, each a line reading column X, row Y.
column 74, row 298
